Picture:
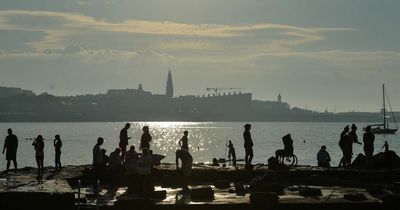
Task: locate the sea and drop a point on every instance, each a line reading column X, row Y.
column 207, row 140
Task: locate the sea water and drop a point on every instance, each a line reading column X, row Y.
column 207, row 140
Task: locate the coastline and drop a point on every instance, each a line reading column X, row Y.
column 60, row 190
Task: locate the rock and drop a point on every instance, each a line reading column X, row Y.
column 391, row 200
column 222, row 184
column 354, row 197
column 128, row 203
column 374, row 188
column 262, row 186
column 264, row 198
column 202, row 193
column 310, row 192
column 273, row 163
column 36, row 200
column 249, row 167
column 239, row 189
column 159, row 194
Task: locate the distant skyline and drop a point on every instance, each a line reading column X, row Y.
column 316, row 53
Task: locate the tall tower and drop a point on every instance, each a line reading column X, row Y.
column 170, row 87
column 279, row 98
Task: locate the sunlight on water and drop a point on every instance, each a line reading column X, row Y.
column 206, row 139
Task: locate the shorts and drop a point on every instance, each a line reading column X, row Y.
column 248, row 150
column 11, row 154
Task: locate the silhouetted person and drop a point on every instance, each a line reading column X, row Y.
column 248, row 145
column 231, row 153
column 145, row 165
column 288, row 144
column 323, row 157
column 106, row 158
column 350, row 139
column 57, row 148
column 186, row 167
column 342, row 142
column 183, row 143
column 145, row 139
column 115, row 167
column 98, row 162
column 131, row 156
column 368, row 139
column 215, row 162
column 385, row 146
column 39, row 148
column 288, row 148
column 123, row 138
column 10, row 147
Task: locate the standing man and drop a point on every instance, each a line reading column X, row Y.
column 123, row 139
column 98, row 162
column 57, row 147
column 183, row 143
column 10, row 146
column 248, row 145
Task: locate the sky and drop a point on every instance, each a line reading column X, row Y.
column 322, row 54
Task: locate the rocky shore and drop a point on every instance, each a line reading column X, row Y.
column 214, row 187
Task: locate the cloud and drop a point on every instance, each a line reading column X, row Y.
column 59, row 27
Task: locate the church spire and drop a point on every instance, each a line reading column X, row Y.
column 170, row 87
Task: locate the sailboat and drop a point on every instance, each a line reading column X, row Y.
column 384, row 127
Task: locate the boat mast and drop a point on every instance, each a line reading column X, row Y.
column 384, row 108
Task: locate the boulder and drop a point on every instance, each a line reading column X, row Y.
column 264, row 198
column 262, row 186
column 310, row 191
column 239, row 189
column 159, row 194
column 222, row 184
column 202, row 193
column 355, row 197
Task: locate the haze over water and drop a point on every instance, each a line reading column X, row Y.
column 206, row 139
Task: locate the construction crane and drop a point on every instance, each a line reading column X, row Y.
column 219, row 89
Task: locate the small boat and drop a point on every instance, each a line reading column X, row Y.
column 384, row 127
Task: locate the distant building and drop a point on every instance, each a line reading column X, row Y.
column 11, row 91
column 279, row 98
column 170, row 87
column 129, row 92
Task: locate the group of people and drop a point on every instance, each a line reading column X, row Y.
column 11, row 145
column 348, row 137
column 139, row 164
column 142, row 164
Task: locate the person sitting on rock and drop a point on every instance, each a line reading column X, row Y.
column 186, row 167
column 131, row 158
column 323, row 157
column 115, row 166
column 145, row 165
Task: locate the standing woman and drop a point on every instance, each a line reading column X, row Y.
column 342, row 143
column 39, row 147
column 57, row 147
column 369, row 139
column 145, row 139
